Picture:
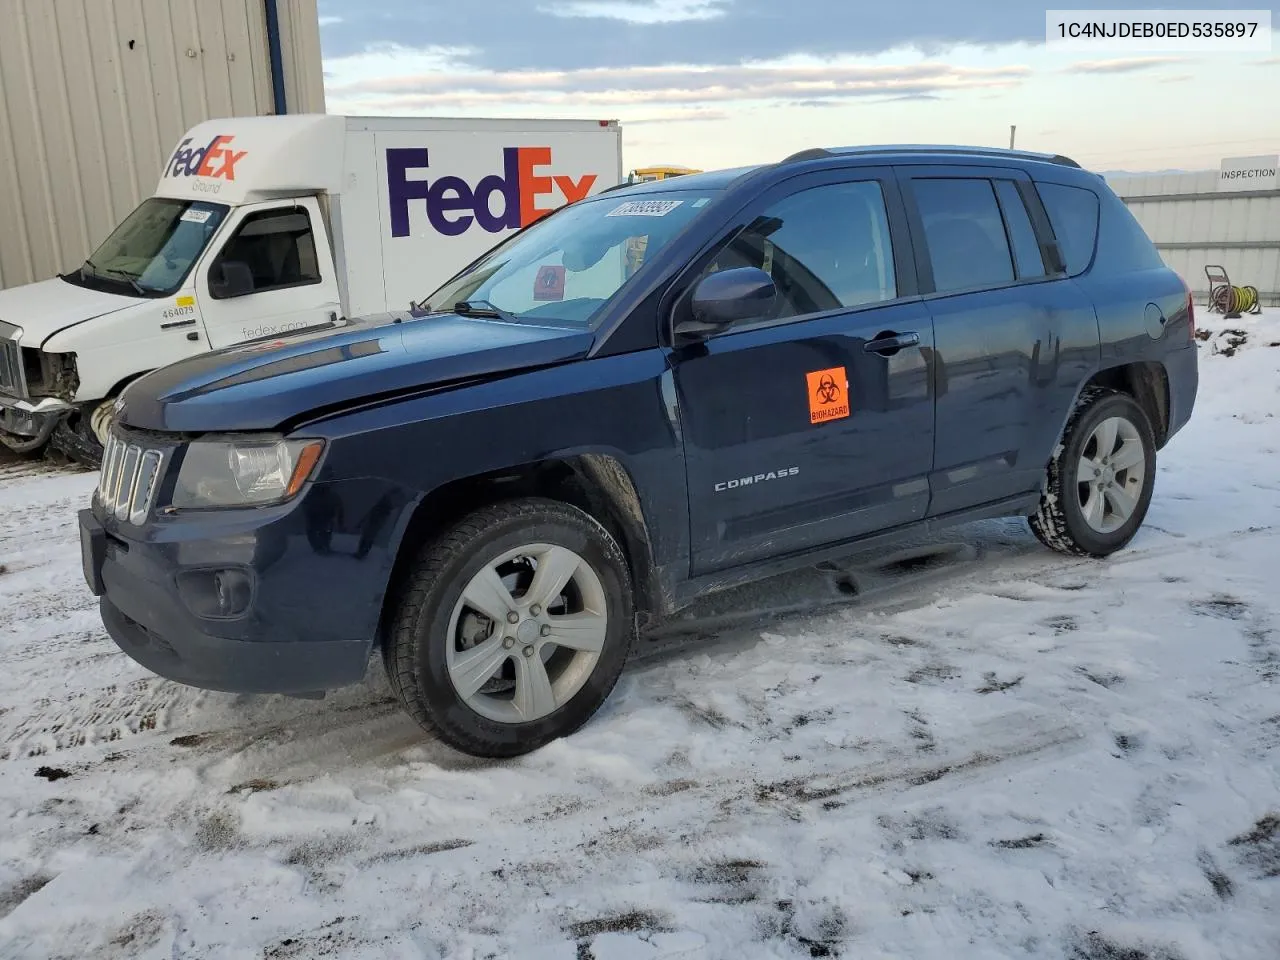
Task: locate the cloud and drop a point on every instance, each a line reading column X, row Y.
column 687, row 116
column 1123, row 64
column 447, row 87
column 636, row 11
column 562, row 34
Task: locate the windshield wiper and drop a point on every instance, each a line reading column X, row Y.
column 97, row 271
column 483, row 308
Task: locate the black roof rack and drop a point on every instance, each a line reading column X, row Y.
column 817, row 153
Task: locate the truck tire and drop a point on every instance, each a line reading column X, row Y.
column 1100, row 477
column 74, row 438
column 512, row 628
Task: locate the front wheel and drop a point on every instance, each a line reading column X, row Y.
column 1100, row 480
column 512, row 629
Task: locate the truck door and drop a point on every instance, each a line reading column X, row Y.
column 814, row 426
column 274, row 274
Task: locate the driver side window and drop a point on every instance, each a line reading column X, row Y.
column 271, row 250
column 826, row 247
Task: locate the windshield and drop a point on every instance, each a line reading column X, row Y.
column 564, row 269
column 152, row 250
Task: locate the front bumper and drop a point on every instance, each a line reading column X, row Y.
column 304, row 618
column 24, row 418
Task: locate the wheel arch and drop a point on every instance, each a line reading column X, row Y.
column 597, row 483
column 1147, row 381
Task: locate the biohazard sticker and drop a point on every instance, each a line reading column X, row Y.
column 549, row 283
column 828, row 395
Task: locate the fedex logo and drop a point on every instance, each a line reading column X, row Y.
column 453, row 204
column 215, row 159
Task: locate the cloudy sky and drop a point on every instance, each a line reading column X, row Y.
column 713, row 83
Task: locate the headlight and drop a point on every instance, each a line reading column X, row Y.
column 239, row 473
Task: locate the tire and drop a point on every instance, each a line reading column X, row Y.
column 1073, row 517
column 74, row 438
column 433, row 629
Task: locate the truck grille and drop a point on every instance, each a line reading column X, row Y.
column 129, row 478
column 12, row 381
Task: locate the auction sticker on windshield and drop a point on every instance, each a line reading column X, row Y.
column 196, row 216
column 644, row 208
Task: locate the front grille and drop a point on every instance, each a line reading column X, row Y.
column 12, row 381
column 129, row 478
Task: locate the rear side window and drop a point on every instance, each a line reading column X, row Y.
column 965, row 233
column 1022, row 236
column 1073, row 213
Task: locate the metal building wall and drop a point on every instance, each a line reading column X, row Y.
column 94, row 94
column 1194, row 224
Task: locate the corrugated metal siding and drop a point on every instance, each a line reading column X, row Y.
column 1240, row 234
column 119, row 82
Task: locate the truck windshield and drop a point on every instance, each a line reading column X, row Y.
column 564, row 269
column 152, row 250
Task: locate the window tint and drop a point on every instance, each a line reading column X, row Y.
column 278, row 248
column 1073, row 213
column 965, row 234
column 826, row 247
column 1124, row 246
column 1022, row 237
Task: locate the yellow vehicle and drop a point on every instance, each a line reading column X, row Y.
column 645, row 174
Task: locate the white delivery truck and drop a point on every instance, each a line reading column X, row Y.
column 265, row 225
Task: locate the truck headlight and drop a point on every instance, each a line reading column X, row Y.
column 244, row 472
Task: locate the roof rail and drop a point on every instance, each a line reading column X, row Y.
column 821, row 152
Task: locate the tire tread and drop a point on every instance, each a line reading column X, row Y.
column 400, row 651
column 1049, row 522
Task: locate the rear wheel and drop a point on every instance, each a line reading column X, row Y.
column 512, row 629
column 1100, row 479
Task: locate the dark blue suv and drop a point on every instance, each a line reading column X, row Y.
column 654, row 393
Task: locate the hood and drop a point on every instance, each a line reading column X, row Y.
column 42, row 309
column 259, row 386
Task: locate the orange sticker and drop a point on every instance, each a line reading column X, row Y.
column 828, row 395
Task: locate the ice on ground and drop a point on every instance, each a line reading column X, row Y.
column 1014, row 755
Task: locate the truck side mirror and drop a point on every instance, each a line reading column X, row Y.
column 229, row 279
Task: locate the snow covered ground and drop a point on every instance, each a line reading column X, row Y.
column 996, row 752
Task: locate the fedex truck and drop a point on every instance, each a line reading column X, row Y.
column 263, row 226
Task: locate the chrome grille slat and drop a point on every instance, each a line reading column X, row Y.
column 129, row 478
column 144, row 486
column 12, row 380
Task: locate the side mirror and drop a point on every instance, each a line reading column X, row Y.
column 731, row 296
column 230, row 278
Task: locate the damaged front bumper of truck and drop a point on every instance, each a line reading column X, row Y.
column 36, row 391
column 30, row 424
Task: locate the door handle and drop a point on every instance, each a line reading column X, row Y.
column 891, row 343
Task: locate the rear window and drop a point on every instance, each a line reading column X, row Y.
column 1022, row 236
column 968, row 248
column 1073, row 213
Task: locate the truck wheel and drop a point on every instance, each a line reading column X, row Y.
column 74, row 437
column 1100, row 478
column 512, row 629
